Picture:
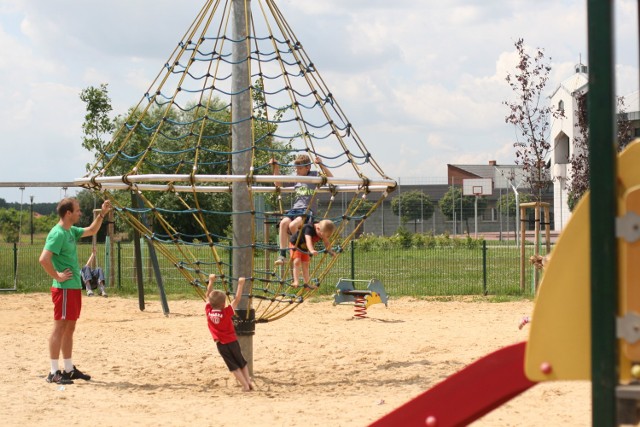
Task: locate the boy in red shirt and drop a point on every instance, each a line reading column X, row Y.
column 220, row 322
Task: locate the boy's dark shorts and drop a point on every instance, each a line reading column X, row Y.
column 294, row 213
column 232, row 355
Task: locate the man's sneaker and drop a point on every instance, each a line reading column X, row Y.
column 76, row 374
column 89, row 293
column 59, row 378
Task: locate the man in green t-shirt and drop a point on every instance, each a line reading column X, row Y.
column 59, row 259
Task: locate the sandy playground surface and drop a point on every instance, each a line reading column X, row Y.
column 314, row 367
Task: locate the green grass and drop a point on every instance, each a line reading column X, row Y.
column 439, row 271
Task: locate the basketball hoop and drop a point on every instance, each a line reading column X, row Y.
column 477, row 187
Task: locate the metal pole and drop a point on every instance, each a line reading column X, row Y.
column 603, row 202
column 241, row 142
column 518, row 225
column 461, row 215
column 475, row 214
column 453, row 204
column 500, row 215
column 31, row 219
column 137, row 250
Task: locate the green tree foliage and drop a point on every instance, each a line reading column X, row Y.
column 507, row 203
column 170, row 140
column 14, row 222
column 451, row 201
column 10, row 222
column 97, row 125
column 530, row 117
column 412, row 206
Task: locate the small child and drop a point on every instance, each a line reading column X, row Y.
column 220, row 322
column 93, row 277
column 303, row 246
column 302, row 210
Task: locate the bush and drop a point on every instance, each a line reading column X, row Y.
column 404, row 239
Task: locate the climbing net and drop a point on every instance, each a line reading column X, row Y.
column 190, row 167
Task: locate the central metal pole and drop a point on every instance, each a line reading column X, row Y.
column 603, row 209
column 241, row 142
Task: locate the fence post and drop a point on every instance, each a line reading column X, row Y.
column 353, row 260
column 484, row 267
column 15, row 263
column 119, row 265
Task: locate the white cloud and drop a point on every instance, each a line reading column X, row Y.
column 422, row 82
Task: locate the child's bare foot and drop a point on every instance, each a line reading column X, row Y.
column 310, row 286
column 295, row 284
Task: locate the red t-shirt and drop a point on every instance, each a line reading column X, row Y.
column 220, row 324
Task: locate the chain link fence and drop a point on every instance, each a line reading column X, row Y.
column 487, row 268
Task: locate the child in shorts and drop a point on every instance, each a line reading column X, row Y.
column 302, row 246
column 220, row 322
column 302, row 210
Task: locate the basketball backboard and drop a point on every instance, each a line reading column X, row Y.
column 477, row 187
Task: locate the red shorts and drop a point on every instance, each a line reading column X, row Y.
column 296, row 254
column 67, row 303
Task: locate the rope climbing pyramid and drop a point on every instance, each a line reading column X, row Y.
column 192, row 165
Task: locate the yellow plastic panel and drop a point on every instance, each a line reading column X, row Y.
column 629, row 252
column 630, row 274
column 559, row 346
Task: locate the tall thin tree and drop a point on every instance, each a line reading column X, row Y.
column 98, row 125
column 531, row 117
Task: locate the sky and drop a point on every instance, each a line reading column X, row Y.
column 422, row 82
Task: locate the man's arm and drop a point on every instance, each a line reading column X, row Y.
column 236, row 299
column 47, row 265
column 97, row 222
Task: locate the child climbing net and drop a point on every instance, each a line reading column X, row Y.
column 190, row 167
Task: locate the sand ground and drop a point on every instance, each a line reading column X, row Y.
column 315, row 367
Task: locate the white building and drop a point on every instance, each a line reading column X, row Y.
column 562, row 136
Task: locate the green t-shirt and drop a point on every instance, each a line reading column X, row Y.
column 62, row 243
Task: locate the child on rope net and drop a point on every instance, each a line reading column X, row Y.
column 220, row 322
column 302, row 246
column 300, row 212
column 93, row 278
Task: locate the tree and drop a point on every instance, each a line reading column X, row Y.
column 97, row 123
column 531, row 117
column 10, row 220
column 412, row 206
column 167, row 139
column 578, row 182
column 507, row 203
column 450, row 204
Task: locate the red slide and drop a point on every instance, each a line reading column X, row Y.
column 466, row 395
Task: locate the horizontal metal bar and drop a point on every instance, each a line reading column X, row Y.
column 189, row 179
column 227, row 189
column 32, row 184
